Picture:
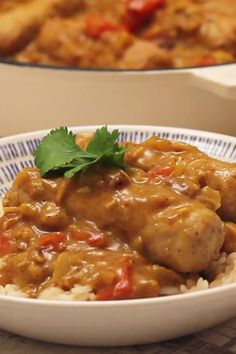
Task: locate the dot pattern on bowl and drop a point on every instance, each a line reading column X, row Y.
column 17, row 155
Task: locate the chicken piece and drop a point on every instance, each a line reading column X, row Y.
column 92, row 40
column 150, row 218
column 6, row 5
column 19, row 26
column 209, row 197
column 218, row 28
column 27, row 199
column 28, row 186
column 45, row 215
column 187, row 161
column 207, row 27
column 185, row 238
column 82, row 41
column 116, row 9
column 179, row 17
column 222, row 177
column 230, row 238
column 26, row 270
column 66, row 8
column 218, row 175
column 144, row 55
column 164, row 225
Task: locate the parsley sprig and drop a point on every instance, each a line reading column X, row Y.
column 59, row 152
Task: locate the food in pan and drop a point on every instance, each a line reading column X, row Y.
column 126, row 34
column 98, row 220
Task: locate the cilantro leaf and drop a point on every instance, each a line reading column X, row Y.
column 59, row 152
column 70, row 173
column 57, row 148
column 105, row 143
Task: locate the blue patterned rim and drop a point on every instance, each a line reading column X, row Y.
column 16, row 151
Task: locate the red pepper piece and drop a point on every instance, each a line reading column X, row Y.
column 97, row 240
column 105, row 293
column 5, row 245
column 95, row 26
column 139, row 11
column 122, row 289
column 161, row 171
column 52, row 241
column 93, row 239
column 205, row 61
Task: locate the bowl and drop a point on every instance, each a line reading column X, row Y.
column 37, row 97
column 125, row 322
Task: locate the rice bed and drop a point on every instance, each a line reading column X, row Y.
column 224, row 271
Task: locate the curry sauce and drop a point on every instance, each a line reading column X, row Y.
column 124, row 233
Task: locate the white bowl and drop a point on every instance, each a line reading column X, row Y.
column 34, row 98
column 116, row 322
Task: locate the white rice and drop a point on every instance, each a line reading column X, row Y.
column 224, row 271
column 11, row 290
column 77, row 293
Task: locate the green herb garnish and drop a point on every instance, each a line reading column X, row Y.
column 59, row 152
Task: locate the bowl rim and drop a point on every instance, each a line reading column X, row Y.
column 115, row 71
column 129, row 302
column 198, row 294
column 124, row 127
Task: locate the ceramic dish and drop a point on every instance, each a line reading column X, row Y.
column 44, row 97
column 125, row 322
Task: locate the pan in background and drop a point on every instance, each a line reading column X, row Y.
column 34, row 97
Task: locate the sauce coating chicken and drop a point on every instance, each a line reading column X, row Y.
column 124, row 233
column 186, row 162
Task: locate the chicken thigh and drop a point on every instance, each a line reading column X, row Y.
column 167, row 227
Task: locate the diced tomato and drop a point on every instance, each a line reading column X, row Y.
column 139, row 11
column 97, row 240
column 95, row 26
column 105, row 293
column 205, row 61
column 161, row 171
column 52, row 241
column 122, row 289
column 5, row 245
column 93, row 239
column 145, row 6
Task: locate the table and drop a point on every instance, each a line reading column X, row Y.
column 219, row 340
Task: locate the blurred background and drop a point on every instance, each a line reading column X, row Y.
column 80, row 62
